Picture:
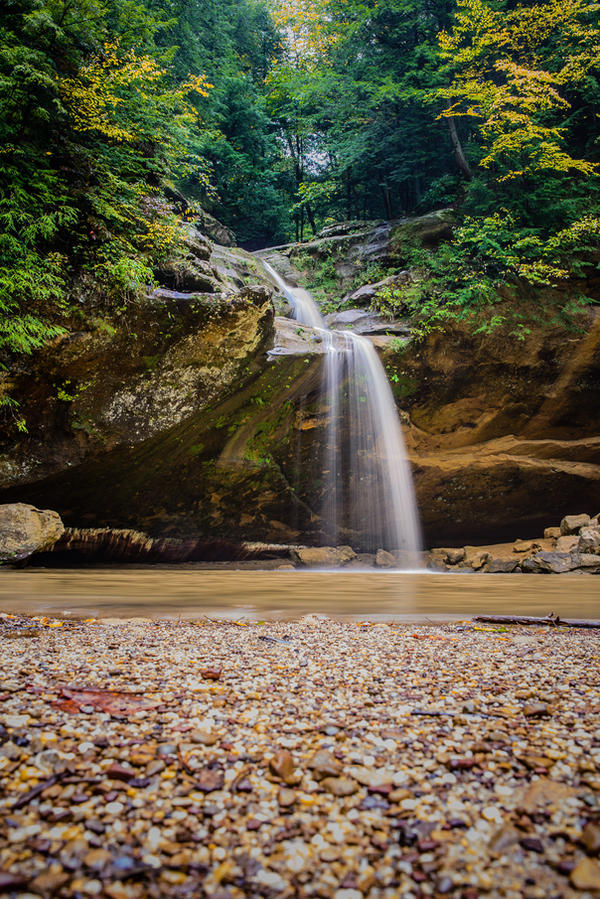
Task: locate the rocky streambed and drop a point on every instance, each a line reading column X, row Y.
column 311, row 758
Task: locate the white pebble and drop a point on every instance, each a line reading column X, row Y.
column 114, row 808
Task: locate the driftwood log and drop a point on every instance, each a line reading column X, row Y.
column 551, row 619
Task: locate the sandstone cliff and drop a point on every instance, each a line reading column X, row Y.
column 197, row 413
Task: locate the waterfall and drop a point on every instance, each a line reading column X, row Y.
column 369, row 499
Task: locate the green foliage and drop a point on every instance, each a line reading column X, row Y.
column 465, row 279
column 102, row 102
column 279, row 117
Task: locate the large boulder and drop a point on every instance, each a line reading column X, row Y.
column 25, row 530
column 572, row 523
column 362, row 322
column 324, row 556
column 549, row 563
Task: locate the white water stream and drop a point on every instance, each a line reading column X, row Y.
column 368, row 490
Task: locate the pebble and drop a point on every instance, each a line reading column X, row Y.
column 282, row 765
column 339, row 786
column 590, row 838
column 300, row 771
column 586, row 875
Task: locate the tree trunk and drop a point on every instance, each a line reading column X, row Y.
column 311, row 218
column 385, row 193
column 459, row 154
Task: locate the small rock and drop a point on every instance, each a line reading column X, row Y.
column 167, row 749
column 492, row 813
column 536, row 710
column 551, row 533
column 203, row 736
column 286, row 797
column 525, row 546
column 535, row 762
column 454, row 556
column 114, row 808
column 11, row 751
column 324, row 556
column 118, row 772
column 590, row 838
column 384, row 559
column 586, row 875
column 589, row 541
column 369, row 803
column 97, row 859
column 282, row 765
column 545, row 792
column 504, row 838
column 566, row 544
column 339, row 786
column 210, row 779
column 211, row 673
column 324, row 764
column 16, row 720
column 10, row 881
column 532, row 844
column 49, row 882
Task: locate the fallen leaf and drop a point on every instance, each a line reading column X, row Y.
column 113, row 702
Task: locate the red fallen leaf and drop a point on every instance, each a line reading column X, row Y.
column 66, row 705
column 113, row 702
column 4, row 696
column 211, row 673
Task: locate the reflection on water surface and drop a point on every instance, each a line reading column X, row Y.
column 374, row 595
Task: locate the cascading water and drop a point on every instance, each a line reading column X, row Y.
column 368, row 493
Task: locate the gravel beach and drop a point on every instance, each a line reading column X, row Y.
column 313, row 758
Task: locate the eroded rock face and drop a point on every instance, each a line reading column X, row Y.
column 351, row 246
column 123, row 382
column 25, row 530
column 503, row 435
column 195, row 415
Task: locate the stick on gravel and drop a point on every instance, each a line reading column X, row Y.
column 552, row 620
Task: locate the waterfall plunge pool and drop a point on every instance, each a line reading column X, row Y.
column 193, row 592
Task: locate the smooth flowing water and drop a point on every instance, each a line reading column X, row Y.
column 255, row 595
column 369, row 499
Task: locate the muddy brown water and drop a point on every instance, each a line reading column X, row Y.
column 257, row 595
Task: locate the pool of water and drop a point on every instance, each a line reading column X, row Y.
column 255, row 595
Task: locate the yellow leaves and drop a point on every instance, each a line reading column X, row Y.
column 108, row 93
column 48, row 622
column 198, row 84
column 307, row 29
column 500, row 66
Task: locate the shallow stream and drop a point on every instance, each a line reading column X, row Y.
column 372, row 595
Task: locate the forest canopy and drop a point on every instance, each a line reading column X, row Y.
column 279, row 117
